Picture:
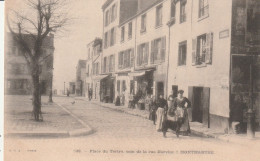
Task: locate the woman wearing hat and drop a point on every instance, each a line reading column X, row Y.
column 182, row 103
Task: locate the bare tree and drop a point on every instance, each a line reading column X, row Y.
column 43, row 17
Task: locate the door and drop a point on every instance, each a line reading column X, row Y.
column 197, row 109
column 205, row 106
column 174, row 91
column 160, row 89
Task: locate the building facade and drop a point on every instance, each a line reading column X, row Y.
column 200, row 60
column 18, row 79
column 93, row 69
column 80, row 78
column 161, row 46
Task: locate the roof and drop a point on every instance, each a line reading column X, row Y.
column 48, row 42
column 143, row 6
column 81, row 64
column 106, row 4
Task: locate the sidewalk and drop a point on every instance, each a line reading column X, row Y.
column 57, row 122
column 196, row 128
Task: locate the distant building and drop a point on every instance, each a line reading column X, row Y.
column 93, row 68
column 80, row 78
column 72, row 87
column 18, row 79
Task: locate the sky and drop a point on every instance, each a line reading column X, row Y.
column 72, row 45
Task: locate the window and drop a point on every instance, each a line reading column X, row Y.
column 158, row 16
column 143, row 23
column 158, row 47
column 182, row 53
column 143, row 53
column 97, row 68
column 203, row 8
column 106, row 40
column 130, row 30
column 182, row 11
column 125, row 58
column 107, row 18
column 112, row 37
column 202, row 48
column 122, row 33
column 113, row 13
column 104, row 64
column 88, row 53
column 173, row 9
column 111, row 63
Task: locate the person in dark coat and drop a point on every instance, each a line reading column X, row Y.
column 152, row 110
column 161, row 111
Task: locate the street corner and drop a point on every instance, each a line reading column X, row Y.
column 81, row 132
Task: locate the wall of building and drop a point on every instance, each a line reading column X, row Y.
column 215, row 75
column 152, row 32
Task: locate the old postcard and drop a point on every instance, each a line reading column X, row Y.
column 131, row 80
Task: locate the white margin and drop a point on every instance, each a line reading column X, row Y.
column 2, row 80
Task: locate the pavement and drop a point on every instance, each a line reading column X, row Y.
column 197, row 129
column 57, row 120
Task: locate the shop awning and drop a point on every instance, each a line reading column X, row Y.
column 137, row 74
column 99, row 77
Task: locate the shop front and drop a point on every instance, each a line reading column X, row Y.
column 107, row 89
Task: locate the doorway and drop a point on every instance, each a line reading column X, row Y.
column 160, row 89
column 174, row 91
column 200, row 99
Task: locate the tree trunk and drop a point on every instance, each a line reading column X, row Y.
column 36, row 93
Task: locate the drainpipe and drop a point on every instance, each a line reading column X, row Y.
column 167, row 74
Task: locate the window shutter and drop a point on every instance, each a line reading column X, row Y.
column 152, row 52
column 194, row 48
column 115, row 12
column 108, row 38
column 138, row 55
column 113, row 63
column 163, row 48
column 114, row 35
column 209, row 48
column 132, row 57
column 118, row 57
column 146, row 53
column 110, row 15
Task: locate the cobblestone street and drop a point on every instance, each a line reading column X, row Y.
column 116, row 132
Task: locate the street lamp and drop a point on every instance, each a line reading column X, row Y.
column 64, row 88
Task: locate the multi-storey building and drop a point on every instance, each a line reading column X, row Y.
column 18, row 74
column 114, row 12
column 167, row 45
column 202, row 42
column 93, row 68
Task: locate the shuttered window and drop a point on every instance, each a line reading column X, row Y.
column 143, row 54
column 158, row 49
column 202, row 49
column 125, row 59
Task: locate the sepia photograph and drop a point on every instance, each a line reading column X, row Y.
column 131, row 80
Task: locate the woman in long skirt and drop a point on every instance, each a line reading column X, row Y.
column 160, row 113
column 182, row 103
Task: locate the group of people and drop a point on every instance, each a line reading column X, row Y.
column 171, row 113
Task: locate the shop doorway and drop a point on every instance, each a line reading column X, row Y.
column 174, row 91
column 200, row 99
column 160, row 89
